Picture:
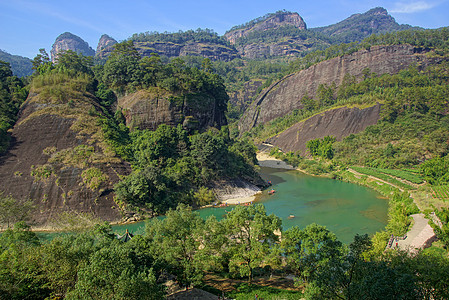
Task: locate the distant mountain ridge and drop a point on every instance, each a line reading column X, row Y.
column 282, row 34
column 359, row 26
column 21, row 66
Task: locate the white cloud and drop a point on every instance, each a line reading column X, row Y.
column 411, row 7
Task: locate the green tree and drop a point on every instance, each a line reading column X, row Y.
column 112, row 274
column 20, row 272
column 122, row 70
column 70, row 60
column 308, row 250
column 251, row 236
column 41, row 60
column 176, row 240
column 12, row 210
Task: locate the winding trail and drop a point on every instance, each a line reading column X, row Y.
column 418, row 235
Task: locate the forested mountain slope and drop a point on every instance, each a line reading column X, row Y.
column 343, row 95
column 20, row 66
column 359, row 26
column 284, row 96
column 71, row 152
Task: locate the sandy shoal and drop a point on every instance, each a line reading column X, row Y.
column 267, row 161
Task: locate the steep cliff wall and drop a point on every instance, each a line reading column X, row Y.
column 285, row 95
column 58, row 160
column 339, row 123
column 147, row 110
column 274, row 21
column 208, row 50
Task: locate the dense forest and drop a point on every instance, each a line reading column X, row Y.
column 20, row 65
column 13, row 92
column 181, row 37
column 96, row 265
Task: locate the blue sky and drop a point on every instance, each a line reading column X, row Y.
column 26, row 25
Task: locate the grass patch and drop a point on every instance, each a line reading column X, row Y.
column 246, row 291
column 412, row 177
column 93, row 178
column 378, row 174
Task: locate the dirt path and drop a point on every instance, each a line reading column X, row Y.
column 418, row 235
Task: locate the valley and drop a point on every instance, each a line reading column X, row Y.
column 165, row 124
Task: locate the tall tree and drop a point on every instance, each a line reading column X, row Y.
column 176, row 240
column 251, row 236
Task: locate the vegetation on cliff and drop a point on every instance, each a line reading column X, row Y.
column 12, row 94
column 359, row 26
column 20, row 66
column 181, row 37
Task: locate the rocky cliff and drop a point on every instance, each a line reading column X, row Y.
column 69, row 41
column 271, row 21
column 59, row 159
column 284, row 96
column 105, row 46
column 208, row 50
column 339, row 123
column 148, row 109
column 279, row 34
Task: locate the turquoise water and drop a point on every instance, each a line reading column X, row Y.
column 344, row 208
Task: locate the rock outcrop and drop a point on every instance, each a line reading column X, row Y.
column 284, row 96
column 105, row 46
column 69, row 41
column 169, row 49
column 272, row 21
column 242, row 98
column 59, row 160
column 147, row 110
column 339, row 122
column 272, row 35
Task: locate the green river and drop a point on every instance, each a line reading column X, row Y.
column 344, row 208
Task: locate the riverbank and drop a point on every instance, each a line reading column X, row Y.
column 268, row 161
column 248, row 193
column 424, row 236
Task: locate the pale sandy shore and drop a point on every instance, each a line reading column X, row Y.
column 240, row 200
column 264, row 161
column 267, row 161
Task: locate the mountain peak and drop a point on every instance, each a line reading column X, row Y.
column 361, row 25
column 105, row 46
column 269, row 21
column 69, row 41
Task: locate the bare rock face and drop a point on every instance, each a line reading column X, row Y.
column 59, row 161
column 257, row 51
column 148, row 110
column 105, row 46
column 69, row 41
column 275, row 21
column 242, row 97
column 207, row 50
column 339, row 123
column 284, row 96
